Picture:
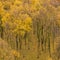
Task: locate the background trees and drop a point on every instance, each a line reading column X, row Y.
column 28, row 25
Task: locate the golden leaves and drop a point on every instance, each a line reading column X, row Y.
column 13, row 18
column 0, row 4
column 24, row 24
column 15, row 53
column 5, row 18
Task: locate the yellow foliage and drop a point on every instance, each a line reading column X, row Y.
column 5, row 18
column 13, row 18
column 16, row 53
column 0, row 4
column 18, row 3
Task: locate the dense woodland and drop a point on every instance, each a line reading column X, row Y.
column 29, row 29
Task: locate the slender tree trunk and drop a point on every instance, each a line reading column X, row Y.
column 1, row 28
column 20, row 42
column 17, row 42
column 38, row 37
column 25, row 36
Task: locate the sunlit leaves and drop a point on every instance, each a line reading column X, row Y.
column 25, row 24
column 15, row 53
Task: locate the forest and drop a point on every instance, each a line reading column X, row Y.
column 29, row 29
